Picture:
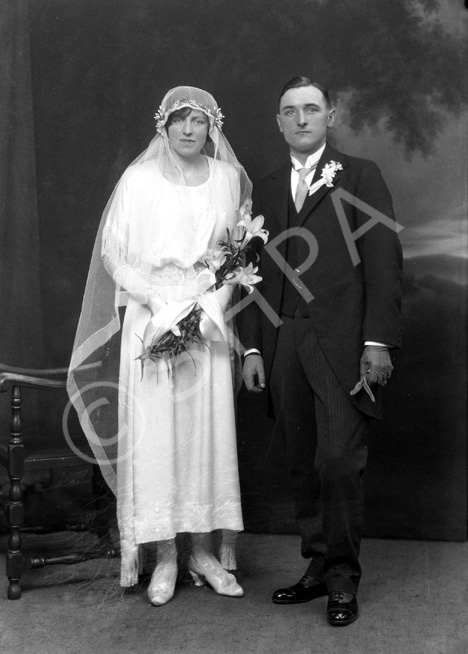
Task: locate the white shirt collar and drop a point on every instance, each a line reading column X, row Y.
column 312, row 160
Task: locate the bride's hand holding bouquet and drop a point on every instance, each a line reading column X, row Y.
column 197, row 320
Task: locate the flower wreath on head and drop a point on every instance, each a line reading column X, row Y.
column 162, row 114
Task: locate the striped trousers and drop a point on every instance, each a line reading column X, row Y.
column 326, row 449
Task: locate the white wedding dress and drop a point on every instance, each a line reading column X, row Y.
column 177, row 458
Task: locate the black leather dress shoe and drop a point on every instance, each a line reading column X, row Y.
column 342, row 608
column 305, row 590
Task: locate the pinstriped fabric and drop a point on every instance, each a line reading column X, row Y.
column 325, row 438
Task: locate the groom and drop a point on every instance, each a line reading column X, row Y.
column 332, row 273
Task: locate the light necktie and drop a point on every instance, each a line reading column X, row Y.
column 302, row 188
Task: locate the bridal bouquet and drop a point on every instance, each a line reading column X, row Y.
column 227, row 264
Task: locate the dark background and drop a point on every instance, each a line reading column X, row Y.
column 82, row 80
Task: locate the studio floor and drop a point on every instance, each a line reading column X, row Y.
column 413, row 600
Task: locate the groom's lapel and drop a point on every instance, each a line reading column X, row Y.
column 281, row 182
column 329, row 154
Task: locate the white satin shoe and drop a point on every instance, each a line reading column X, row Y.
column 162, row 584
column 207, row 568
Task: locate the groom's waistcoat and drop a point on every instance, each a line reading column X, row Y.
column 296, row 253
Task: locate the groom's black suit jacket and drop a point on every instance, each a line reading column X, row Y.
column 352, row 303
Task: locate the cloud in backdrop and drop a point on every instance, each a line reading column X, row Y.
column 430, row 193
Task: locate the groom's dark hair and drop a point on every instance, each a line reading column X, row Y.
column 297, row 82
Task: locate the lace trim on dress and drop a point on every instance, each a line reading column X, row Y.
column 171, row 274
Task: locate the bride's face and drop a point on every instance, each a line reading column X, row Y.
column 187, row 135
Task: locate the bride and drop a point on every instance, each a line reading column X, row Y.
column 164, row 432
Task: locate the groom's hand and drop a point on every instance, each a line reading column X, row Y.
column 376, row 364
column 254, row 373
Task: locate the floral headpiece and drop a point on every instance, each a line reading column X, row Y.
column 162, row 114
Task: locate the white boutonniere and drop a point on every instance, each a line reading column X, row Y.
column 328, row 174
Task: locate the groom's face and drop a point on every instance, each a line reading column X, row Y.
column 304, row 118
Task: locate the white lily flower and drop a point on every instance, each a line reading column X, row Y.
column 245, row 276
column 253, row 228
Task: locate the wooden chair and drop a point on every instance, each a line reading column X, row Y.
column 19, row 455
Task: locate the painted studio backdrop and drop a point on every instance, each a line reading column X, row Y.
column 80, row 83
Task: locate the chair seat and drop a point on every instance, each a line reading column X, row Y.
column 32, row 449
column 46, row 458
column 40, row 455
